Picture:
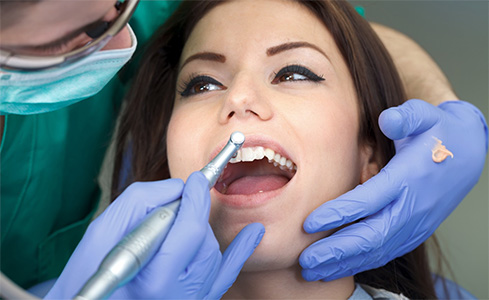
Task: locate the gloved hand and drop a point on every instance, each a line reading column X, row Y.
column 408, row 199
column 188, row 265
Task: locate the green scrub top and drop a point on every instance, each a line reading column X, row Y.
column 49, row 166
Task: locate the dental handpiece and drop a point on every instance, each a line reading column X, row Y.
column 134, row 251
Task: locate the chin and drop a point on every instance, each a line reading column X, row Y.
column 272, row 256
column 279, row 249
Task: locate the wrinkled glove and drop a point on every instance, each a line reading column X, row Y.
column 408, row 199
column 189, row 265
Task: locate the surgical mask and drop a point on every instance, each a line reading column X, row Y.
column 27, row 93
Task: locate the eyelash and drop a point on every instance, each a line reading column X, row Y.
column 187, row 88
column 297, row 69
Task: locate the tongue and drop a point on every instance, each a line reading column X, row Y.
column 256, row 184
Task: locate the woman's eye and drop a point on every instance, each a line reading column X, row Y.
column 200, row 84
column 292, row 77
column 295, row 73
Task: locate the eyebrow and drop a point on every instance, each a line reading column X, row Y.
column 210, row 56
column 293, row 45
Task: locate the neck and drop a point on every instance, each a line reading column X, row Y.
column 287, row 284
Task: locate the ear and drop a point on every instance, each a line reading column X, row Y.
column 369, row 165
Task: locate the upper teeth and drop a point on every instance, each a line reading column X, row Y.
column 249, row 154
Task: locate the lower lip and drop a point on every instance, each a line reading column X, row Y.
column 249, row 201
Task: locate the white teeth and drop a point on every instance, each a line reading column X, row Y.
column 269, row 153
column 250, row 154
column 247, row 154
column 288, row 163
column 259, row 153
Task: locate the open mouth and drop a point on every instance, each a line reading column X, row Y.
column 255, row 170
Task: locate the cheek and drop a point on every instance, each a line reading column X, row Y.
column 334, row 156
column 178, row 149
column 190, row 138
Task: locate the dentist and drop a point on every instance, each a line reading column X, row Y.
column 55, row 55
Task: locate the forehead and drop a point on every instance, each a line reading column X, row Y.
column 245, row 24
column 42, row 21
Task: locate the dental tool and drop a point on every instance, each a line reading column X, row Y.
column 134, row 251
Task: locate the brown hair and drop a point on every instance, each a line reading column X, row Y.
column 377, row 83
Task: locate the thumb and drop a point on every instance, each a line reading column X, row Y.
column 411, row 118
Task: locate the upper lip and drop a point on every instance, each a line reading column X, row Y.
column 255, row 140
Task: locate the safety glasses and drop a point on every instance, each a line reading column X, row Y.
column 101, row 33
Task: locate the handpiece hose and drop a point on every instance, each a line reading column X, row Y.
column 134, row 251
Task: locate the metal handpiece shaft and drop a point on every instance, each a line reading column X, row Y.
column 134, row 251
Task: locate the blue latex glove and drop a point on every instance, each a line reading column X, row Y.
column 408, row 199
column 189, row 264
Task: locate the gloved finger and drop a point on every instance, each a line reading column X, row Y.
column 345, row 268
column 376, row 232
column 189, row 230
column 159, row 276
column 353, row 265
column 364, row 200
column 340, row 246
column 410, row 118
column 137, row 201
column 129, row 209
column 151, row 194
column 234, row 257
column 203, row 269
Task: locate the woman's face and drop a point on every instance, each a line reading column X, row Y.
column 271, row 70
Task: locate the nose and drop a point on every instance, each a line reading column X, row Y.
column 246, row 98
